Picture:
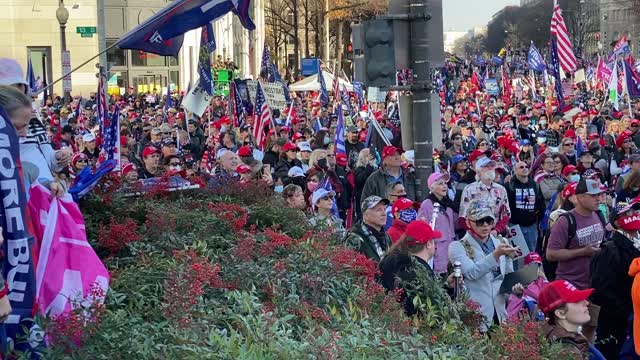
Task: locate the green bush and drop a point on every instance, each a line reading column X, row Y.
column 236, row 275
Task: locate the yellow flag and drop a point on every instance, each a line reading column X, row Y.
column 502, row 52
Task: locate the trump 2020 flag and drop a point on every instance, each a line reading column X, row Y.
column 110, row 147
column 207, row 45
column 68, row 267
column 622, row 46
column 162, row 33
column 632, row 81
column 18, row 246
column 535, row 60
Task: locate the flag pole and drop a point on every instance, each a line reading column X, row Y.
column 76, row 68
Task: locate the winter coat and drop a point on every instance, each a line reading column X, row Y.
column 377, row 182
column 549, row 186
column 282, row 169
column 609, row 269
column 445, row 223
column 371, row 243
column 477, row 269
column 576, row 344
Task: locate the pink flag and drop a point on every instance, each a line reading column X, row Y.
column 603, row 73
column 68, row 268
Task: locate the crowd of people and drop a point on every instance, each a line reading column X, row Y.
column 568, row 179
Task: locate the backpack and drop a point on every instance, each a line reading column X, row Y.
column 550, row 267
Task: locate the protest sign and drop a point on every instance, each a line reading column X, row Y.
column 273, row 93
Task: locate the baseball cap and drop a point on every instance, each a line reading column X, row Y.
column 479, row 209
column 295, row 171
column 149, row 150
column 245, row 151
column 421, row 232
column 304, row 146
column 243, row 169
column 560, row 292
column 290, row 146
column 588, row 186
column 297, row 136
column 390, row 150
column 484, row 162
column 341, row 159
column 168, row 141
column 621, row 208
column 281, row 141
column 403, row 204
column 524, row 142
column 319, row 194
column 541, row 134
column 11, row 72
column 569, row 189
column 436, row 177
column 456, row 159
column 533, row 258
column 88, row 137
column 372, row 201
column 568, row 170
column 127, row 168
column 352, row 129
column 477, row 153
column 156, row 130
column 67, row 129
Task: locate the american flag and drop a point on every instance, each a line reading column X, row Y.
column 80, row 114
column 266, row 65
column 262, row 119
column 340, row 147
column 110, row 146
column 236, row 105
column 565, row 50
column 324, row 94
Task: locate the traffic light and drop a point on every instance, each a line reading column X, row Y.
column 379, row 56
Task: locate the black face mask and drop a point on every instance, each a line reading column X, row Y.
column 322, row 163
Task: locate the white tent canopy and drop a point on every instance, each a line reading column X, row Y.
column 311, row 83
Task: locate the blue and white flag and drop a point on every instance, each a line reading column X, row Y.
column 168, row 103
column 163, row 33
column 346, row 99
column 496, row 60
column 340, row 146
column 535, row 60
column 86, row 180
column 357, row 88
column 266, row 67
column 324, row 93
column 31, row 78
column 110, row 136
column 19, row 270
column 632, row 81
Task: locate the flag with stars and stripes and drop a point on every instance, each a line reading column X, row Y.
column 266, row 67
column 262, row 118
column 324, row 93
column 101, row 106
column 110, row 146
column 568, row 60
column 236, row 105
column 326, row 185
column 346, row 99
column 79, row 115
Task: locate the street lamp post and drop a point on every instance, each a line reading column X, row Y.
column 62, row 15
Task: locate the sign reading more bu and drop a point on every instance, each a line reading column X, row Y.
column 86, row 30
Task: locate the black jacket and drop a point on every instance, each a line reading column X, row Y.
column 523, row 212
column 612, row 283
column 353, row 150
column 271, row 158
column 361, row 174
column 282, row 169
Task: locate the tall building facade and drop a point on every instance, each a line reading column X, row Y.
column 618, row 18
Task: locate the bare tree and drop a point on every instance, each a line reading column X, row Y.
column 278, row 28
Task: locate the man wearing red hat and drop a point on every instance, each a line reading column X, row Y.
column 151, row 160
column 390, row 171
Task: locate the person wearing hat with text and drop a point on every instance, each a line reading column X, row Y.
column 485, row 188
column 404, row 211
column 288, row 159
column 610, row 280
column 485, row 260
column 151, row 160
column 437, row 210
column 390, row 171
column 573, row 252
column 368, row 235
column 406, row 266
column 322, row 203
column 567, row 309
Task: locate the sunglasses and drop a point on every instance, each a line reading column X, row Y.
column 82, row 161
column 331, row 155
column 457, row 138
column 484, row 221
column 634, row 125
column 483, row 144
column 568, row 144
column 523, row 167
column 328, row 197
column 175, row 164
column 627, row 141
column 399, row 196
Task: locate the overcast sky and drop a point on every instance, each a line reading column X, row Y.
column 463, row 15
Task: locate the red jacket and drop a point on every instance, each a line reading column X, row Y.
column 396, row 230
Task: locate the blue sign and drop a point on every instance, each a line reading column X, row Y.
column 492, row 87
column 310, row 66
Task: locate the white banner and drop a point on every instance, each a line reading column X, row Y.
column 196, row 101
column 273, row 93
column 375, row 95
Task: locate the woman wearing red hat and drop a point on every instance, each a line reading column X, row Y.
column 625, row 145
column 406, row 267
column 567, row 310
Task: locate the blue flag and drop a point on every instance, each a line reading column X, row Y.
column 632, row 81
column 324, row 93
column 357, row 88
column 496, row 60
column 163, row 33
column 480, row 61
column 86, row 180
column 168, row 103
column 110, row 135
column 266, row 67
column 340, row 147
column 18, row 271
column 207, row 45
column 31, row 78
column 535, row 60
column 555, row 65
